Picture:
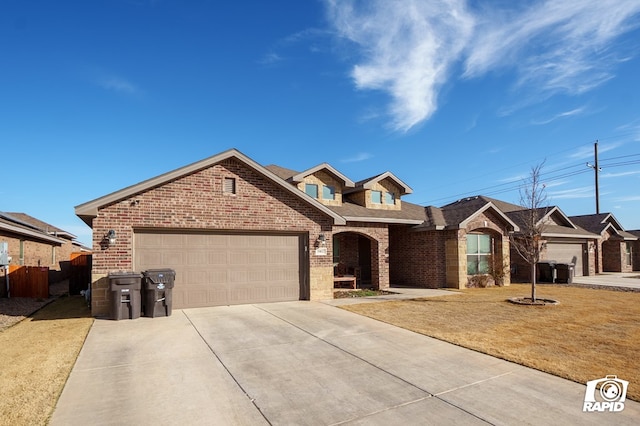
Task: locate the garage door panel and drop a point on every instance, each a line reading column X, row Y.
column 172, row 258
column 197, row 257
column 567, row 253
column 219, row 269
column 173, row 240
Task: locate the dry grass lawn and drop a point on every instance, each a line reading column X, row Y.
column 590, row 334
column 37, row 356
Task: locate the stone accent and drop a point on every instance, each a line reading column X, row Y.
column 321, row 179
column 100, row 295
column 321, row 278
column 363, row 197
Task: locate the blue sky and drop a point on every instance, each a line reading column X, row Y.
column 455, row 98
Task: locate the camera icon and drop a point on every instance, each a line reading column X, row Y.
column 605, row 394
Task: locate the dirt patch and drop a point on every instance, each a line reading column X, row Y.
column 15, row 309
column 590, row 334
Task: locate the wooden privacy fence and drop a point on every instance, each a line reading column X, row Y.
column 80, row 273
column 28, row 281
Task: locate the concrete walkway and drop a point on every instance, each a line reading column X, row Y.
column 303, row 363
column 612, row 279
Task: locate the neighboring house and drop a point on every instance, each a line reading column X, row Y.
column 59, row 266
column 615, row 246
column 636, row 249
column 31, row 242
column 453, row 246
column 563, row 241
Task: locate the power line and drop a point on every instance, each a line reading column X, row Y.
column 513, row 185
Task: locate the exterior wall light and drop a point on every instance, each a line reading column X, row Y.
column 111, row 236
column 322, row 240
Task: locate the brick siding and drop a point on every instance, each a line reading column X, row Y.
column 197, row 202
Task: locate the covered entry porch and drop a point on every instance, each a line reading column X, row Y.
column 360, row 257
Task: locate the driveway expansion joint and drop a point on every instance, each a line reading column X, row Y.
column 249, row 397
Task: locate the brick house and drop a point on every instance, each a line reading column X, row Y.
column 614, row 250
column 32, row 242
column 455, row 246
column 238, row 232
column 563, row 241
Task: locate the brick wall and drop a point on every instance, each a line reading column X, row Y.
column 197, row 201
column 436, row 259
column 417, row 258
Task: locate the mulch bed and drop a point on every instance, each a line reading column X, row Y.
column 15, row 309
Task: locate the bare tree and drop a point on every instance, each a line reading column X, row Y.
column 528, row 242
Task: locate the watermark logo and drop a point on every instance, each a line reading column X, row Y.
column 606, row 394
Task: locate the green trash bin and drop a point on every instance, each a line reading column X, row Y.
column 125, row 288
column 158, row 289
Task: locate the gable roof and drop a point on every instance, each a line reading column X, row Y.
column 599, row 223
column 370, row 182
column 13, row 225
column 299, row 177
column 459, row 213
column 43, row 226
column 89, row 210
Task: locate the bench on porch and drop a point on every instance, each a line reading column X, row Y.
column 345, row 279
column 342, row 274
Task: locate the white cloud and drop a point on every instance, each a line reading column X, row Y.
column 589, row 152
column 614, row 175
column 361, row 156
column 409, row 48
column 582, row 192
column 575, row 111
column 628, row 198
column 118, row 84
column 270, row 59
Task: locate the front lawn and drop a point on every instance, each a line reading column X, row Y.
column 37, row 356
column 590, row 334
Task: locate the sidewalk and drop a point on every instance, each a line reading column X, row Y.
column 612, row 279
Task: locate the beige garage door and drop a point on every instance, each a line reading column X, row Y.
column 567, row 253
column 215, row 269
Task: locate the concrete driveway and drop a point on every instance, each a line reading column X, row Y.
column 303, row 363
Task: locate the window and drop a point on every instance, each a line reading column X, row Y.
column 328, row 192
column 229, row 186
column 390, row 198
column 629, row 254
column 311, row 189
column 336, row 250
column 376, row 197
column 478, row 252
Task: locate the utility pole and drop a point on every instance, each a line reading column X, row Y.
column 596, row 169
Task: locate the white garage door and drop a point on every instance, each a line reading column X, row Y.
column 567, row 253
column 215, row 269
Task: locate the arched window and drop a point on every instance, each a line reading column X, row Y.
column 479, row 248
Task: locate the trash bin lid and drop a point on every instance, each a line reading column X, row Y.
column 124, row 274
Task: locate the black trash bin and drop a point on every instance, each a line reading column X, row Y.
column 564, row 273
column 546, row 271
column 157, row 288
column 126, row 302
